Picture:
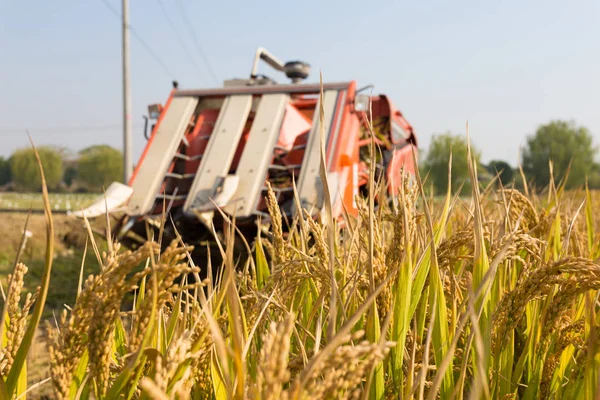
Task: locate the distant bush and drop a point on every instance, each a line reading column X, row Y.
column 5, row 175
column 568, row 146
column 503, row 169
column 25, row 172
column 436, row 162
column 99, row 166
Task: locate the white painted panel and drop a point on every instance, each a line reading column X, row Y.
column 309, row 183
column 220, row 150
column 155, row 165
column 257, row 155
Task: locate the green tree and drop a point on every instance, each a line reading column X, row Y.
column 69, row 175
column 5, row 175
column 563, row 143
column 436, row 162
column 506, row 172
column 25, row 172
column 99, row 166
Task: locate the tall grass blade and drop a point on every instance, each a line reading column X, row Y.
column 262, row 266
column 589, row 222
column 437, row 231
column 21, row 356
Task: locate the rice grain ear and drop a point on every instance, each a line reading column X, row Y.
column 15, row 264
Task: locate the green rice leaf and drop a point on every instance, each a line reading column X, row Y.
column 262, row 266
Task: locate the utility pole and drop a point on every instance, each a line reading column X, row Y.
column 127, row 165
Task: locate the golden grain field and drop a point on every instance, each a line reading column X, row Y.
column 492, row 296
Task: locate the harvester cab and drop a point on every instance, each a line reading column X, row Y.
column 211, row 152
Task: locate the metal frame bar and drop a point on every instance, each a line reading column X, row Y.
column 338, row 122
column 305, row 88
column 267, row 57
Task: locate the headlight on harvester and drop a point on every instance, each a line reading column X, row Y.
column 154, row 110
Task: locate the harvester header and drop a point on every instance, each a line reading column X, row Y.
column 213, row 150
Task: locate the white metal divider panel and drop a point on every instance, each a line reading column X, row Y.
column 309, row 183
column 220, row 150
column 257, row 155
column 165, row 143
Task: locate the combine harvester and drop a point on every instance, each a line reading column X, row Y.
column 218, row 148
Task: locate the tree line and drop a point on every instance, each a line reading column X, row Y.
column 90, row 170
column 569, row 146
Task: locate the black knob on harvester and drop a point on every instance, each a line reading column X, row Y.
column 297, row 71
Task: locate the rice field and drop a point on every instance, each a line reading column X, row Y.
column 492, row 296
column 58, row 201
column 489, row 296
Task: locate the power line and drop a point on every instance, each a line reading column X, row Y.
column 63, row 130
column 139, row 38
column 179, row 38
column 195, row 39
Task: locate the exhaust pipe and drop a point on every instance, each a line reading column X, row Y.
column 297, row 71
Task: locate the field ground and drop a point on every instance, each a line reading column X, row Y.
column 70, row 239
column 59, row 201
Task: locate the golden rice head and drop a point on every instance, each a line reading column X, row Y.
column 89, row 325
column 172, row 265
column 272, row 369
column 536, row 284
column 342, row 374
column 568, row 335
column 17, row 317
column 68, row 341
column 166, row 365
column 519, row 204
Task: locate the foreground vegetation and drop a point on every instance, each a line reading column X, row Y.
column 490, row 297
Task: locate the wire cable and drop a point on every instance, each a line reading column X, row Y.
column 64, row 130
column 139, row 38
column 179, row 38
column 190, row 28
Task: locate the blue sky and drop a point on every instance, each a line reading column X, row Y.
column 505, row 66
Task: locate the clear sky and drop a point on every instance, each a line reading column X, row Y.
column 505, row 66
